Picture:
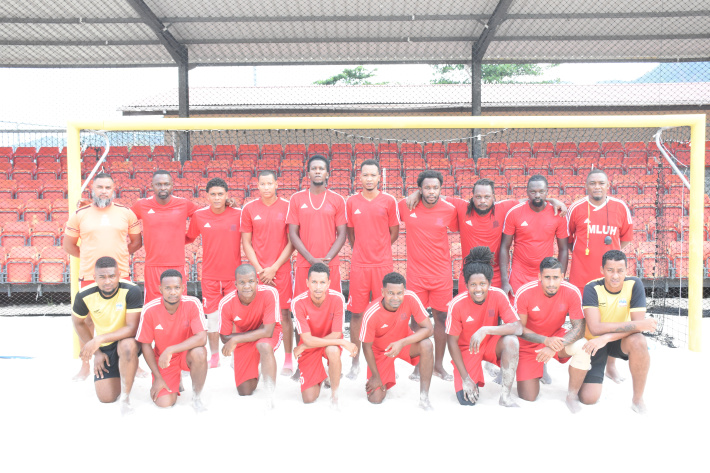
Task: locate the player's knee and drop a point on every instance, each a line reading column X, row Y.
column 264, row 349
column 636, row 344
column 310, row 397
column 426, row 347
column 333, row 353
column 108, row 397
column 128, row 348
column 589, row 396
column 579, row 358
column 247, row 388
column 168, row 400
column 197, row 355
column 510, row 343
column 376, row 398
column 528, row 393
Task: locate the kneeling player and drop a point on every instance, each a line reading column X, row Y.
column 472, row 316
column 543, row 306
column 386, row 335
column 176, row 324
column 114, row 305
column 254, row 310
column 319, row 314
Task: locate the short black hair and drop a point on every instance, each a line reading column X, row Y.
column 159, row 172
column 318, row 157
column 244, row 270
column 170, row 273
column 596, row 171
column 430, row 174
column 319, row 268
column 613, row 255
column 394, row 278
column 478, row 261
column 550, row 263
column 370, row 162
column 106, row 262
column 217, row 182
column 537, row 177
column 103, row 175
column 268, row 172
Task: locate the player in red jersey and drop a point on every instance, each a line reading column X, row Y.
column 219, row 226
column 164, row 217
column 268, row 248
column 596, row 224
column 316, row 225
column 534, row 226
column 429, row 257
column 474, row 333
column 373, row 222
column 319, row 314
column 543, row 306
column 481, row 221
column 176, row 324
column 254, row 311
column 386, row 336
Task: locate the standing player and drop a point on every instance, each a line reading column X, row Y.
column 268, row 248
column 373, row 222
column 254, row 310
column 543, row 307
column 474, row 333
column 615, row 310
column 386, row 336
column 219, row 226
column 316, row 225
column 319, row 314
column 103, row 228
column 429, row 257
column 164, row 217
column 115, row 306
column 176, row 324
column 596, row 224
column 534, row 226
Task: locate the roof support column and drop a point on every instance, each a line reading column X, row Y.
column 476, row 80
column 183, row 108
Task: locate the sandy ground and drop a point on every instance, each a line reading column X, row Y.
column 48, row 421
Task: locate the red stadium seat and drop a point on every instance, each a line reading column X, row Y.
column 272, row 151
column 218, row 168
column 138, row 265
column 28, row 189
column 6, row 154
column 194, row 170
column 163, row 153
column 24, row 171
column 566, row 149
column 318, row 148
column 248, row 152
column 47, row 154
column 14, row 234
column 138, row 152
column 24, row 154
column 48, row 170
column 8, row 189
column 223, row 152
column 21, row 263
column 118, row 152
column 37, row 210
column 342, row 151
column 52, row 265
column 520, row 150
column 295, row 151
column 589, row 149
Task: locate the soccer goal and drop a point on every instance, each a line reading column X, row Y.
column 663, row 187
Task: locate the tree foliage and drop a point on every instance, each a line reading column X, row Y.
column 491, row 73
column 357, row 76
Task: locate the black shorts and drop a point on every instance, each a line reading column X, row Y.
column 596, row 374
column 111, row 352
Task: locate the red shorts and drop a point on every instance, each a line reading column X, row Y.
column 284, row 286
column 246, row 356
column 496, row 282
column 212, row 293
column 519, row 277
column 432, row 291
column 171, row 374
column 528, row 366
column 472, row 362
column 385, row 365
column 301, row 276
column 152, row 281
column 364, row 280
column 310, row 364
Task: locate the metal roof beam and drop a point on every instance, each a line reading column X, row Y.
column 481, row 45
column 176, row 50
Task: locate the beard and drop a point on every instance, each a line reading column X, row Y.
column 102, row 203
column 482, row 212
column 535, row 203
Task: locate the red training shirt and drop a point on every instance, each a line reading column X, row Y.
column 428, row 252
column 382, row 327
column 317, row 218
column 267, row 225
column 371, row 222
column 612, row 218
column 221, row 240
column 319, row 321
column 164, row 229
column 264, row 309
column 168, row 330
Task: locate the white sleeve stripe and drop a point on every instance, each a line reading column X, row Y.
column 505, row 220
column 365, row 319
column 416, row 298
column 506, row 299
column 275, row 293
column 449, row 314
column 222, row 304
column 522, row 289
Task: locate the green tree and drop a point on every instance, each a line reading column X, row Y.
column 491, row 73
column 356, row 76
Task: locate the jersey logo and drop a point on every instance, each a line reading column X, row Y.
column 119, row 306
column 304, row 206
column 413, row 215
column 236, row 317
column 105, row 221
column 207, row 225
column 151, row 211
column 468, row 222
column 469, row 319
column 288, row 301
column 257, row 218
column 524, row 224
column 159, row 327
column 357, row 212
column 308, row 317
column 622, row 303
column 536, row 309
column 587, row 221
column 385, row 326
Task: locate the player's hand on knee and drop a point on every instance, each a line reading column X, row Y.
column 373, row 384
column 545, row 354
column 556, row 343
column 476, row 340
column 158, row 385
column 351, row 347
column 89, row 349
column 101, row 364
column 228, row 348
column 394, row 348
column 164, row 360
column 648, row 325
column 298, row 351
column 470, row 390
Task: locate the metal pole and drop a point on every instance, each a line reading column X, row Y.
column 476, row 80
column 184, row 108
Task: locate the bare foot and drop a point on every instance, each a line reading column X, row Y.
column 614, row 375
column 354, row 371
column 83, row 373
column 492, row 370
column 441, row 373
column 573, row 403
column 214, row 360
column 141, row 373
column 546, row 379
column 197, row 404
column 506, row 400
column 297, row 375
column 639, row 407
column 424, row 402
column 126, row 407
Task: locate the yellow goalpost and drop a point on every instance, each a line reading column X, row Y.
column 696, row 122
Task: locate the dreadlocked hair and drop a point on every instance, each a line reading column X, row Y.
column 478, row 261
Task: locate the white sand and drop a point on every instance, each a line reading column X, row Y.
column 50, row 421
